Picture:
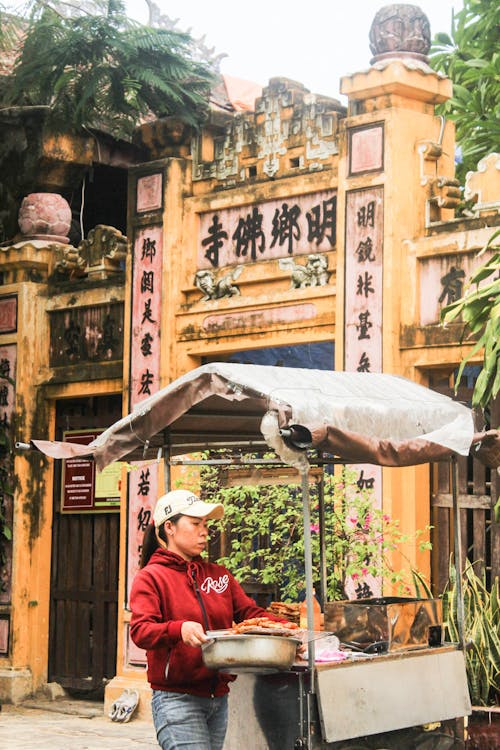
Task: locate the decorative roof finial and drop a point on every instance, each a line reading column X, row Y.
column 400, row 31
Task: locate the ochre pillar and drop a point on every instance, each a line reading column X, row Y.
column 385, row 182
column 155, row 231
column 25, row 572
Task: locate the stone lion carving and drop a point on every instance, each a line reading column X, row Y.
column 313, row 273
column 213, row 288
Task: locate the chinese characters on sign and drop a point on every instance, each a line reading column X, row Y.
column 365, row 585
column 143, row 492
column 363, row 324
column 276, row 229
column 363, row 280
column 146, row 312
column 144, row 378
column 443, row 279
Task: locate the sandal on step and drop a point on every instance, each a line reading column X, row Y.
column 124, row 706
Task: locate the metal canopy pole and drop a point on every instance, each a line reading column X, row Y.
column 457, row 552
column 322, row 543
column 167, row 473
column 308, row 569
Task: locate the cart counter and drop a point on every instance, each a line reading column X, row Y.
column 357, row 703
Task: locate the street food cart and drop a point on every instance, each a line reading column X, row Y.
column 402, row 698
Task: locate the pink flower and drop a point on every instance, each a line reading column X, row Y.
column 364, row 571
column 353, row 520
column 386, row 518
column 355, row 576
column 314, row 527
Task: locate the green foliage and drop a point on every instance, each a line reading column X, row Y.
column 470, row 56
column 105, row 71
column 479, row 309
column 265, row 526
column 481, row 630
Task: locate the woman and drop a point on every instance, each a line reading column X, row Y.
column 175, row 598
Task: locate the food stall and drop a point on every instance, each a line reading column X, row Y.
column 404, row 696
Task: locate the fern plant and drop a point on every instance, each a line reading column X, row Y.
column 106, row 71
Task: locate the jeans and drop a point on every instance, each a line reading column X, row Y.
column 188, row 722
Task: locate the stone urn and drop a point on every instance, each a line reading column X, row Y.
column 45, row 216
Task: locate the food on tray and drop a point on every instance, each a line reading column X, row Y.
column 284, row 609
column 264, row 624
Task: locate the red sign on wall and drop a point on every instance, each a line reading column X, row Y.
column 81, row 489
column 8, row 314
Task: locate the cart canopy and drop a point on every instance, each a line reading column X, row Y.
column 358, row 417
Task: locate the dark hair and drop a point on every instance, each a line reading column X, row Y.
column 150, row 540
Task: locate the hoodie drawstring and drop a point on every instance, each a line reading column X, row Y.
column 192, row 570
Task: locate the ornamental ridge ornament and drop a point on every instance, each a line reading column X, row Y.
column 400, row 31
column 288, row 120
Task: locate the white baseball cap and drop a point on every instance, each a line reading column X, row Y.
column 186, row 503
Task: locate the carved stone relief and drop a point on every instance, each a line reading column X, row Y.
column 86, row 334
column 206, row 281
column 287, row 119
column 313, row 273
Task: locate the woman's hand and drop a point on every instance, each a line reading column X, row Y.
column 301, row 652
column 192, row 633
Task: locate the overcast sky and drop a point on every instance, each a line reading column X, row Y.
column 314, row 42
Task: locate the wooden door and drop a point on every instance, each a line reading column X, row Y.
column 478, row 491
column 84, row 573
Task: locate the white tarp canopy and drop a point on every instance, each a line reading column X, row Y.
column 350, row 415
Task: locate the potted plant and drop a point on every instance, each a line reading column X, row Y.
column 482, row 655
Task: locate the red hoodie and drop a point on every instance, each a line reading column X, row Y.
column 165, row 593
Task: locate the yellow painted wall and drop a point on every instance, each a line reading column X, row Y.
column 403, row 100
column 400, row 97
column 25, row 668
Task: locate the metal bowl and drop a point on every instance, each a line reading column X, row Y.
column 250, row 653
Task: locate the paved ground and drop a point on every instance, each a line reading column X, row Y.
column 70, row 725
